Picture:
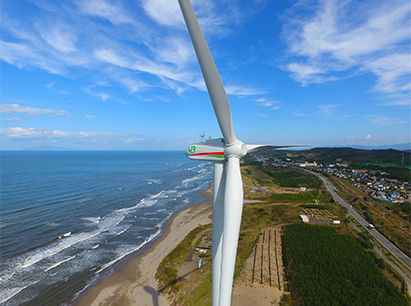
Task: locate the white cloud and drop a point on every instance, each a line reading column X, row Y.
column 401, row 99
column 113, row 40
column 114, row 13
column 164, row 12
column 367, row 137
column 175, row 50
column 143, row 64
column 23, row 55
column 307, row 73
column 90, row 117
column 31, row 111
column 110, row 56
column 393, row 72
column 341, row 38
column 211, row 17
column 242, row 90
column 13, row 119
column 273, row 105
column 328, row 109
column 19, row 133
column 300, row 114
column 131, row 83
column 386, row 121
column 60, row 36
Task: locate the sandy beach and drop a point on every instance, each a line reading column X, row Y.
column 135, row 283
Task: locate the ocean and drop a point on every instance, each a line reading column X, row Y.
column 70, row 218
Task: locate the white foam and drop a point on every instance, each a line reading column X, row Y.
column 155, row 181
column 58, row 247
column 190, row 169
column 91, row 283
column 59, row 263
column 6, row 277
column 85, row 200
column 64, row 235
column 119, row 233
column 157, row 195
column 118, row 222
column 131, row 208
column 153, row 219
column 93, row 219
column 149, row 203
column 147, row 240
column 7, row 294
column 192, row 179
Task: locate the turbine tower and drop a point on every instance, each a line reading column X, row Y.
column 226, row 154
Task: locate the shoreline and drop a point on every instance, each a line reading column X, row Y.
column 134, row 282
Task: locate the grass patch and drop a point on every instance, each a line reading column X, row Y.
column 167, row 271
column 308, row 196
column 201, row 295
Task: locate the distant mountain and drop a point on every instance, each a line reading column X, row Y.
column 398, row 146
column 355, row 157
column 47, row 148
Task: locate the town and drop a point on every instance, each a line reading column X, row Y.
column 377, row 187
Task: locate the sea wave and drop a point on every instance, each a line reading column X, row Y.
column 92, row 219
column 8, row 293
column 155, row 181
column 133, row 249
column 124, row 230
column 59, row 263
column 106, row 225
column 44, row 253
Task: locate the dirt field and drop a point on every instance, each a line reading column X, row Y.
column 261, row 282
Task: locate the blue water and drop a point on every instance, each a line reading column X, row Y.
column 68, row 218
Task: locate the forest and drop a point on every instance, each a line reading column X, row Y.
column 327, row 268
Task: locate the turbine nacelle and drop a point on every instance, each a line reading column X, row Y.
column 215, row 150
column 212, row 151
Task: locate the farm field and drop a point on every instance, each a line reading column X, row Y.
column 266, row 210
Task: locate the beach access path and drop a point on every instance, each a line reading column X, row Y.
column 135, row 283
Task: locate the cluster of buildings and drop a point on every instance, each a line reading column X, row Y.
column 384, row 189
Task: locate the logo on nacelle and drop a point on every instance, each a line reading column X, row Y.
column 192, row 149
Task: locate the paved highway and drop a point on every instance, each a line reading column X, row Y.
column 404, row 259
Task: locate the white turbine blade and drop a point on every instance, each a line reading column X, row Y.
column 259, row 148
column 211, row 76
column 233, row 208
column 218, row 218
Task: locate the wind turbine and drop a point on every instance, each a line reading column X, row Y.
column 226, row 154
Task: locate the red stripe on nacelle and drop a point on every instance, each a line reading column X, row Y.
column 210, row 153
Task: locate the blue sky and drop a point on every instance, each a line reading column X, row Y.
column 122, row 75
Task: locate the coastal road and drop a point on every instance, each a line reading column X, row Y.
column 404, row 259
